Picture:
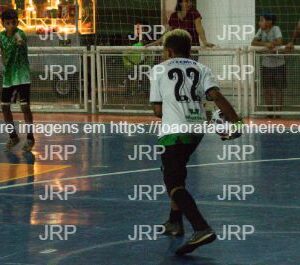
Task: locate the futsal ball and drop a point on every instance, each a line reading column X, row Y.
column 221, row 126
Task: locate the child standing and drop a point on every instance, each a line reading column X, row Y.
column 16, row 76
column 273, row 67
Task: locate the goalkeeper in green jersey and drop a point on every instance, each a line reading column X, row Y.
column 16, row 77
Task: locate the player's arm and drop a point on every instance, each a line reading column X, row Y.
column 222, row 103
column 296, row 35
column 278, row 37
column 20, row 38
column 210, row 86
column 201, row 33
column 278, row 42
column 157, row 109
column 257, row 41
column 270, row 45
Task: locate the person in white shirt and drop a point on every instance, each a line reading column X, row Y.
column 178, row 87
column 296, row 36
column 273, row 67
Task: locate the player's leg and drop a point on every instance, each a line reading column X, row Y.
column 174, row 225
column 176, row 186
column 175, row 214
column 174, row 161
column 7, row 96
column 267, row 86
column 184, row 200
column 24, row 91
column 280, row 86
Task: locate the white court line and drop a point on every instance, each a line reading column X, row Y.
column 10, row 263
column 278, row 232
column 211, row 203
column 10, row 255
column 146, row 170
column 48, row 251
column 201, row 202
column 57, row 260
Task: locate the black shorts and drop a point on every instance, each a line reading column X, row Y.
column 174, row 161
column 274, row 77
column 9, row 94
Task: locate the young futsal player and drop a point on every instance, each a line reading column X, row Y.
column 16, row 75
column 176, row 94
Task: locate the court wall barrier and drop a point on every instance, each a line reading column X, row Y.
column 274, row 85
column 123, row 83
column 59, row 79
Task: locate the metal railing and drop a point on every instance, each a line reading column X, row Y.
column 59, row 79
column 274, row 86
column 74, row 79
column 117, row 92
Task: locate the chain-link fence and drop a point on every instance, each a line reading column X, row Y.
column 59, row 79
column 123, row 75
column 275, row 85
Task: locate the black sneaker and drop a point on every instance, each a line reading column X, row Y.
column 198, row 239
column 173, row 229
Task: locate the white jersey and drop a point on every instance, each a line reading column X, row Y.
column 180, row 84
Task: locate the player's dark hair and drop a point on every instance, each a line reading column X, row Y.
column 9, row 14
column 179, row 41
column 270, row 17
column 178, row 5
column 140, row 21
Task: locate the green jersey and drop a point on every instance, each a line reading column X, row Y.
column 15, row 59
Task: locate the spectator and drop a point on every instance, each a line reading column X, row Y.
column 273, row 67
column 187, row 17
column 296, row 35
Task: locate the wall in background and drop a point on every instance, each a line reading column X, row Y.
column 217, row 13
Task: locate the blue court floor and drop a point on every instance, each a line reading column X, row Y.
column 102, row 217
